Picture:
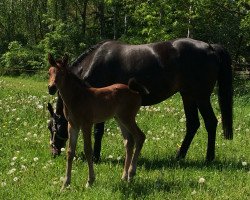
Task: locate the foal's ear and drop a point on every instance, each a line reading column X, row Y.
column 52, row 61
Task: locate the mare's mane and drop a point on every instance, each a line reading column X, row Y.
column 87, row 52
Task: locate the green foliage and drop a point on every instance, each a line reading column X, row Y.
column 19, row 59
column 72, row 26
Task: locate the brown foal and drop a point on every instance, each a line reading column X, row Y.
column 85, row 106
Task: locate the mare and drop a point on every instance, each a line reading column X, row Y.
column 83, row 106
column 183, row 65
column 58, row 128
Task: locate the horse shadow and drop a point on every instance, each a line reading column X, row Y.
column 171, row 162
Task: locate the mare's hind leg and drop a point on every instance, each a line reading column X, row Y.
column 73, row 135
column 86, row 129
column 210, row 120
column 192, row 124
column 129, row 147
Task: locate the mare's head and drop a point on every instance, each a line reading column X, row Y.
column 58, row 131
column 56, row 72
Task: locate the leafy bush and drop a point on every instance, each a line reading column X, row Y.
column 19, row 59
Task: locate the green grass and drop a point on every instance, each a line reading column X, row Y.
column 27, row 170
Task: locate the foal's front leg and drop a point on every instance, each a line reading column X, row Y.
column 88, row 153
column 73, row 135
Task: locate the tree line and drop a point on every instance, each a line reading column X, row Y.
column 29, row 29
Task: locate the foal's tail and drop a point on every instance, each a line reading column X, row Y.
column 133, row 84
column 225, row 80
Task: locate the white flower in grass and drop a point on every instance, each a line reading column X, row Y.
column 194, row 192
column 15, row 179
column 40, row 106
column 62, row 178
column 11, row 171
column 23, row 167
column 119, row 158
column 14, row 158
column 3, row 184
column 35, row 159
column 201, row 180
column 62, row 149
column 244, row 163
column 110, row 156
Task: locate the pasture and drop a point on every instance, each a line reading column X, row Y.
column 27, row 170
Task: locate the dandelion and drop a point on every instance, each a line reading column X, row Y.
column 62, row 149
column 40, row 107
column 14, row 158
column 15, row 179
column 201, row 180
column 244, row 163
column 35, row 159
column 193, row 192
column 119, row 158
column 11, row 171
column 62, row 178
column 3, row 184
column 23, row 167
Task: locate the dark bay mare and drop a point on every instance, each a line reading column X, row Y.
column 83, row 106
column 188, row 66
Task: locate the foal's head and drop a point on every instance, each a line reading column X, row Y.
column 56, row 72
column 58, row 131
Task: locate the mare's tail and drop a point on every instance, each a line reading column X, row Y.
column 133, row 84
column 225, row 80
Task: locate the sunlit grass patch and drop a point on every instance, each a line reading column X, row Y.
column 27, row 170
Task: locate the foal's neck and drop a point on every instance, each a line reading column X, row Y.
column 71, row 88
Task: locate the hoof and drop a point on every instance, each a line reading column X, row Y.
column 124, row 177
column 64, row 187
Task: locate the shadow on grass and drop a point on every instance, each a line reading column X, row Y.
column 172, row 163
column 140, row 189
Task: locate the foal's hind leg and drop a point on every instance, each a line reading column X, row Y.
column 139, row 138
column 73, row 135
column 209, row 117
column 128, row 123
column 192, row 124
column 129, row 146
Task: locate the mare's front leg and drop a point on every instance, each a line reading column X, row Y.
column 86, row 129
column 73, row 136
column 98, row 133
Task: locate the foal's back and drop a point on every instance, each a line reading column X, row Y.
column 100, row 104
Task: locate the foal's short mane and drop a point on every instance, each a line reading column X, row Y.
column 80, row 82
column 87, row 52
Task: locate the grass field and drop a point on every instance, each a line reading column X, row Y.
column 27, row 170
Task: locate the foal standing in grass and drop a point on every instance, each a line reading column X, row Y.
column 85, row 106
